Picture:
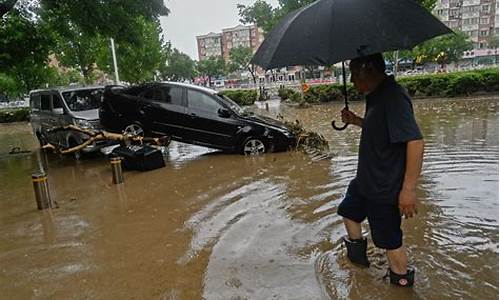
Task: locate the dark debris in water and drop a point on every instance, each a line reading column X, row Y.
column 314, row 144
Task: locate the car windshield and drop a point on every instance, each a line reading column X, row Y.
column 233, row 105
column 79, row 100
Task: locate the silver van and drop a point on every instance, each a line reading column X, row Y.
column 63, row 106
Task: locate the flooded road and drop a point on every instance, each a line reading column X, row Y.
column 221, row 226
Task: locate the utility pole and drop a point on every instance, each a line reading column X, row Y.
column 115, row 64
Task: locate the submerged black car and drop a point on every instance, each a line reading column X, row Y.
column 191, row 114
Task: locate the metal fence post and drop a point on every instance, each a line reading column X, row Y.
column 41, row 189
column 116, row 168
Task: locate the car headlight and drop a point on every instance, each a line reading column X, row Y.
column 84, row 124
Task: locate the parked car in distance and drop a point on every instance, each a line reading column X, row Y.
column 57, row 107
column 191, row 114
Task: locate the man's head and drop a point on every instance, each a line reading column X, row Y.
column 367, row 72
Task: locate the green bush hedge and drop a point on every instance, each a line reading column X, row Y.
column 330, row 92
column 431, row 85
column 242, row 97
column 14, row 115
column 286, row 93
column 452, row 84
column 440, row 85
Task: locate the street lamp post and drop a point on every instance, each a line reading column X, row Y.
column 115, row 64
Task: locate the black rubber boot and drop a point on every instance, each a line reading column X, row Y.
column 405, row 280
column 356, row 251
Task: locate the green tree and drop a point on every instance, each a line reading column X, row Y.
column 73, row 47
column 211, row 67
column 260, row 13
column 443, row 49
column 8, row 87
column 493, row 41
column 428, row 4
column 266, row 17
column 178, row 66
column 106, row 17
column 239, row 58
column 75, row 31
column 137, row 62
column 21, row 39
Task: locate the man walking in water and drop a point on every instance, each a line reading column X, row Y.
column 389, row 164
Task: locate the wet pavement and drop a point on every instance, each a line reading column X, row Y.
column 220, row 226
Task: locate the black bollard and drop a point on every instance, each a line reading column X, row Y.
column 116, row 168
column 41, row 188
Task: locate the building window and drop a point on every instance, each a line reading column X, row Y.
column 484, row 32
column 486, row 8
column 484, row 20
column 474, row 21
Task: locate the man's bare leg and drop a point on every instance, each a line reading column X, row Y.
column 398, row 261
column 353, row 229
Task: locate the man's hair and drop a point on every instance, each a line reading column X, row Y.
column 376, row 60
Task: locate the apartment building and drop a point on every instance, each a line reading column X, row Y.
column 241, row 36
column 477, row 18
column 220, row 44
column 209, row 45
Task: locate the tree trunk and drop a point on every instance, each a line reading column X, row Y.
column 252, row 72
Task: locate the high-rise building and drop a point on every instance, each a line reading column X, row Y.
column 478, row 19
column 220, row 44
column 241, row 36
column 209, row 45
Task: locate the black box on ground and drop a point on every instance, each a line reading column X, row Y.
column 141, row 158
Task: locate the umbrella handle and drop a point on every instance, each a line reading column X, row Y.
column 339, row 128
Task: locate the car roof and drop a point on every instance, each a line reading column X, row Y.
column 191, row 86
column 63, row 89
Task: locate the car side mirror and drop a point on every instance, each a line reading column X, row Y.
column 223, row 113
column 58, row 111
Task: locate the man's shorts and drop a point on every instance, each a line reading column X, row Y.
column 384, row 219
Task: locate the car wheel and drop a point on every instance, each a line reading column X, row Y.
column 134, row 129
column 253, row 146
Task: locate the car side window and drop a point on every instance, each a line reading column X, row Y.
column 35, row 102
column 45, row 101
column 202, row 101
column 56, row 102
column 155, row 93
column 173, row 95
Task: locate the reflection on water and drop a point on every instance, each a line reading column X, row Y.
column 232, row 227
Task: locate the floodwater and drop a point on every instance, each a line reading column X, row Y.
column 219, row 226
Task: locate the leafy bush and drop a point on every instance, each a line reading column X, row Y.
column 295, row 96
column 330, row 92
column 452, row 84
column 242, row 97
column 430, row 85
column 14, row 115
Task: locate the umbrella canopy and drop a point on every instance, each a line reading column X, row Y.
column 328, row 31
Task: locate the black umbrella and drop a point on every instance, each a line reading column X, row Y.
column 329, row 31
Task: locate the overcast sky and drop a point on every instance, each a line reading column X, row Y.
column 189, row 18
